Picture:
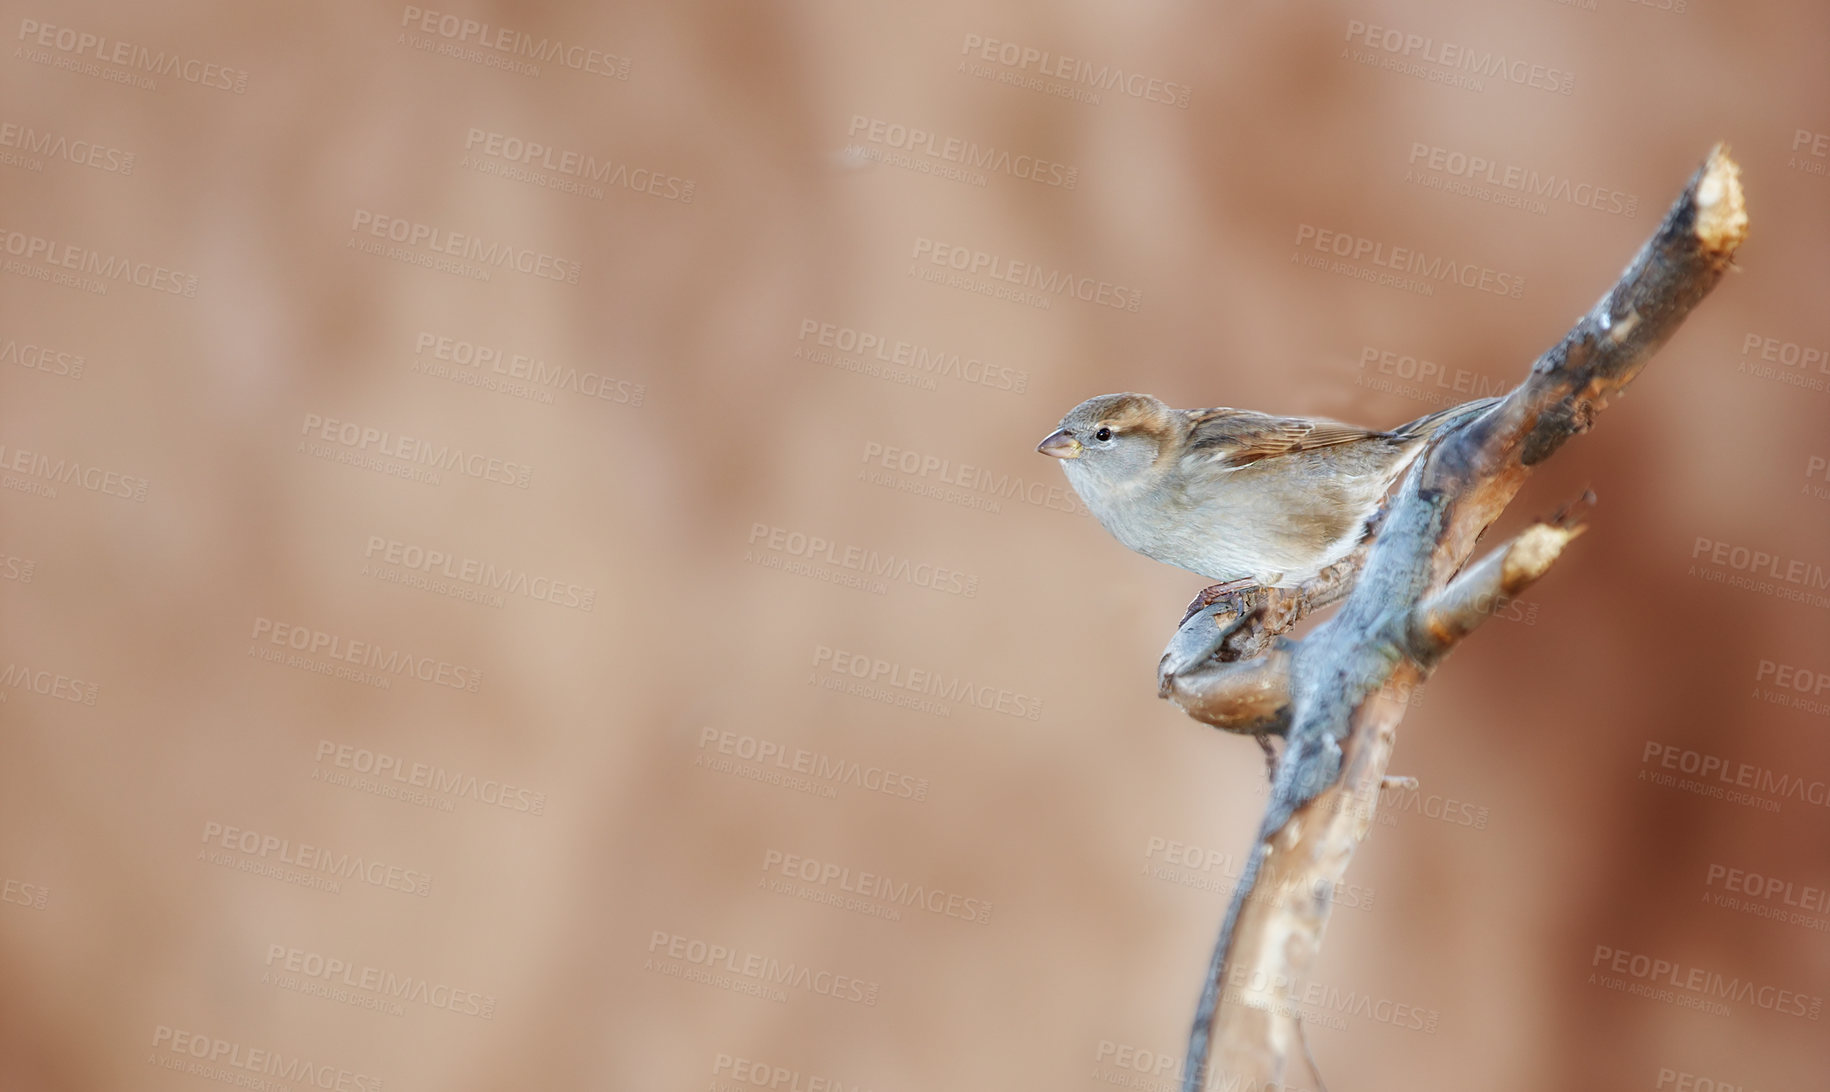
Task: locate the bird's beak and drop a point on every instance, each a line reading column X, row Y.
column 1060, row 444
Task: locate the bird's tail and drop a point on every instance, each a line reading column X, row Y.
column 1421, row 428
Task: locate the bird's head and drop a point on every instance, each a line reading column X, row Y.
column 1111, row 441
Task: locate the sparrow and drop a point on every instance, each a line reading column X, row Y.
column 1239, row 497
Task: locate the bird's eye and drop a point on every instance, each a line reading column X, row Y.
column 1103, row 435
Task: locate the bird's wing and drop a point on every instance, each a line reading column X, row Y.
column 1229, row 438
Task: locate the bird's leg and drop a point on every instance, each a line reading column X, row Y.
column 1232, row 590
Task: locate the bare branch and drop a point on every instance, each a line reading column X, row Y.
column 1251, row 697
column 1346, row 682
column 1437, row 623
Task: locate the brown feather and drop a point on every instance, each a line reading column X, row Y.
column 1135, row 414
column 1241, row 437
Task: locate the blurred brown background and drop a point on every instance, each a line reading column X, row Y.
column 458, row 461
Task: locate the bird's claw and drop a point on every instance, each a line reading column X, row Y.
column 1196, row 644
column 1235, row 593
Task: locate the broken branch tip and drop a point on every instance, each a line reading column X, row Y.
column 1721, row 223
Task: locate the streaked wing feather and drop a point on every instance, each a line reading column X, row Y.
column 1235, row 438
